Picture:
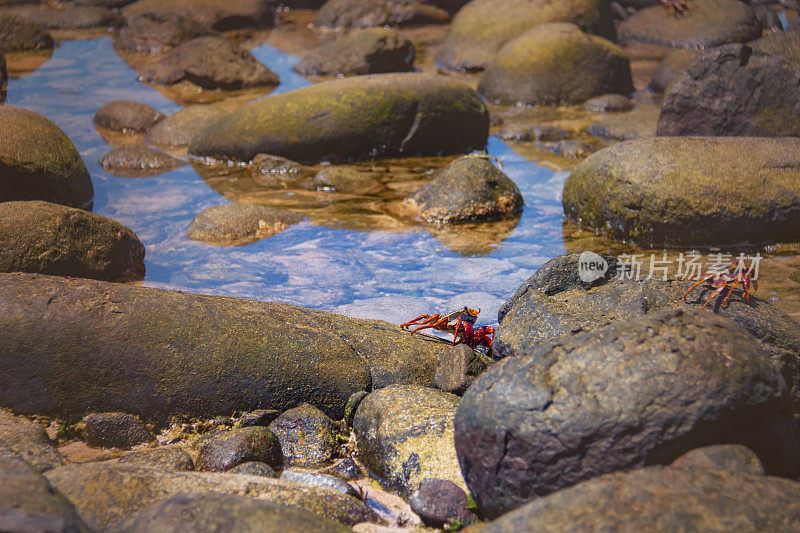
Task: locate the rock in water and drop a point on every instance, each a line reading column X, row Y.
column 72, row 17
column 734, row 90
column 629, row 125
column 236, row 225
column 692, row 191
column 182, row 126
column 368, row 13
column 707, row 23
column 211, row 62
column 662, row 499
column 358, row 117
column 556, row 64
column 19, row 34
column 482, row 27
column 39, row 162
column 127, row 116
column 221, row 15
column 631, row 394
column 366, row 51
column 156, row 354
column 55, row 239
column 470, row 189
column 152, row 33
column 133, row 161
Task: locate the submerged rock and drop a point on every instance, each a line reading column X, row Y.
column 127, row 116
column 405, row 435
column 225, row 512
column 661, row 499
column 154, row 33
column 18, row 34
column 690, row 191
column 237, row 224
column 158, row 353
column 555, row 64
column 27, row 440
column 708, row 23
column 132, row 161
column 482, row 27
column 39, row 162
column 366, row 51
column 357, row 117
column 211, row 62
column 631, row 394
column 348, row 180
column 163, row 458
column 368, row 13
column 734, row 90
column 528, row 133
column 222, row 15
column 227, row 449
column 470, row 189
column 105, row 494
column 55, row 239
column 307, row 436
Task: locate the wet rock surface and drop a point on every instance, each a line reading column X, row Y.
column 348, row 180
column 180, row 128
column 482, row 27
column 236, row 224
column 39, row 162
column 115, row 430
column 723, row 457
column 314, row 479
column 708, row 23
column 731, row 74
column 528, row 133
column 159, row 353
column 221, row 15
column 608, row 103
column 555, row 64
column 357, row 117
column 259, row 417
column 624, row 396
column 629, row 125
column 439, row 502
column 29, row 503
column 227, row 449
column 469, row 189
column 68, row 18
column 404, row 435
column 164, row 458
column 54, row 239
column 689, row 191
column 27, row 439
column 369, row 13
column 365, row 51
column 211, row 62
column 105, row 494
column 19, row 34
column 307, row 436
column 138, row 162
column 153, row 33
column 218, row 512
column 254, row 468
column 127, row 116
column 659, row 498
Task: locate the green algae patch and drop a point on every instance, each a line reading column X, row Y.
column 361, row 117
column 690, row 191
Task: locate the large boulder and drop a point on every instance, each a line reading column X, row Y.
column 556, row 64
column 39, row 162
column 692, row 191
column 556, row 302
column 357, row 117
column 211, row 62
column 105, row 494
column 225, row 512
column 365, row 51
column 470, row 189
column 734, row 90
column 705, row 24
column 369, row 13
column 405, row 434
column 28, row 440
column 222, row 15
column 55, row 239
column 663, row 499
column 631, row 394
column 70, row 346
column 19, row 34
column 29, row 503
column 482, row 27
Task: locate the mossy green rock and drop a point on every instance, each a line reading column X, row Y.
column 470, row 189
column 690, row 191
column 307, row 436
column 405, row 434
column 482, row 27
column 55, row 239
column 705, row 24
column 353, row 118
column 39, row 162
column 105, row 494
column 71, row 346
column 556, row 64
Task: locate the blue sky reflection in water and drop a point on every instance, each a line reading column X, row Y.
column 373, row 274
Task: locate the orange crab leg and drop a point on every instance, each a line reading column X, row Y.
column 707, row 278
column 421, row 319
column 731, row 292
column 714, row 294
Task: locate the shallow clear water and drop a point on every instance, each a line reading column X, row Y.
column 373, row 274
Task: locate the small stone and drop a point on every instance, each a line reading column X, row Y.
column 725, row 457
column 231, row 448
column 348, row 180
column 115, row 430
column 346, row 470
column 571, row 149
column 138, row 161
column 237, row 225
column 275, row 165
column 172, row 459
column 528, row 133
column 254, row 468
column 259, row 417
column 440, row 502
column 307, row 436
column 368, row 13
column 314, row 479
column 607, row 103
column 152, row 33
column 127, row 116
column 451, row 372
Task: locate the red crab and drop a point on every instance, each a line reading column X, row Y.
column 483, row 336
column 464, row 315
column 729, row 278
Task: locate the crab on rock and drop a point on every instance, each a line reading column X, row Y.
column 730, row 277
column 463, row 316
